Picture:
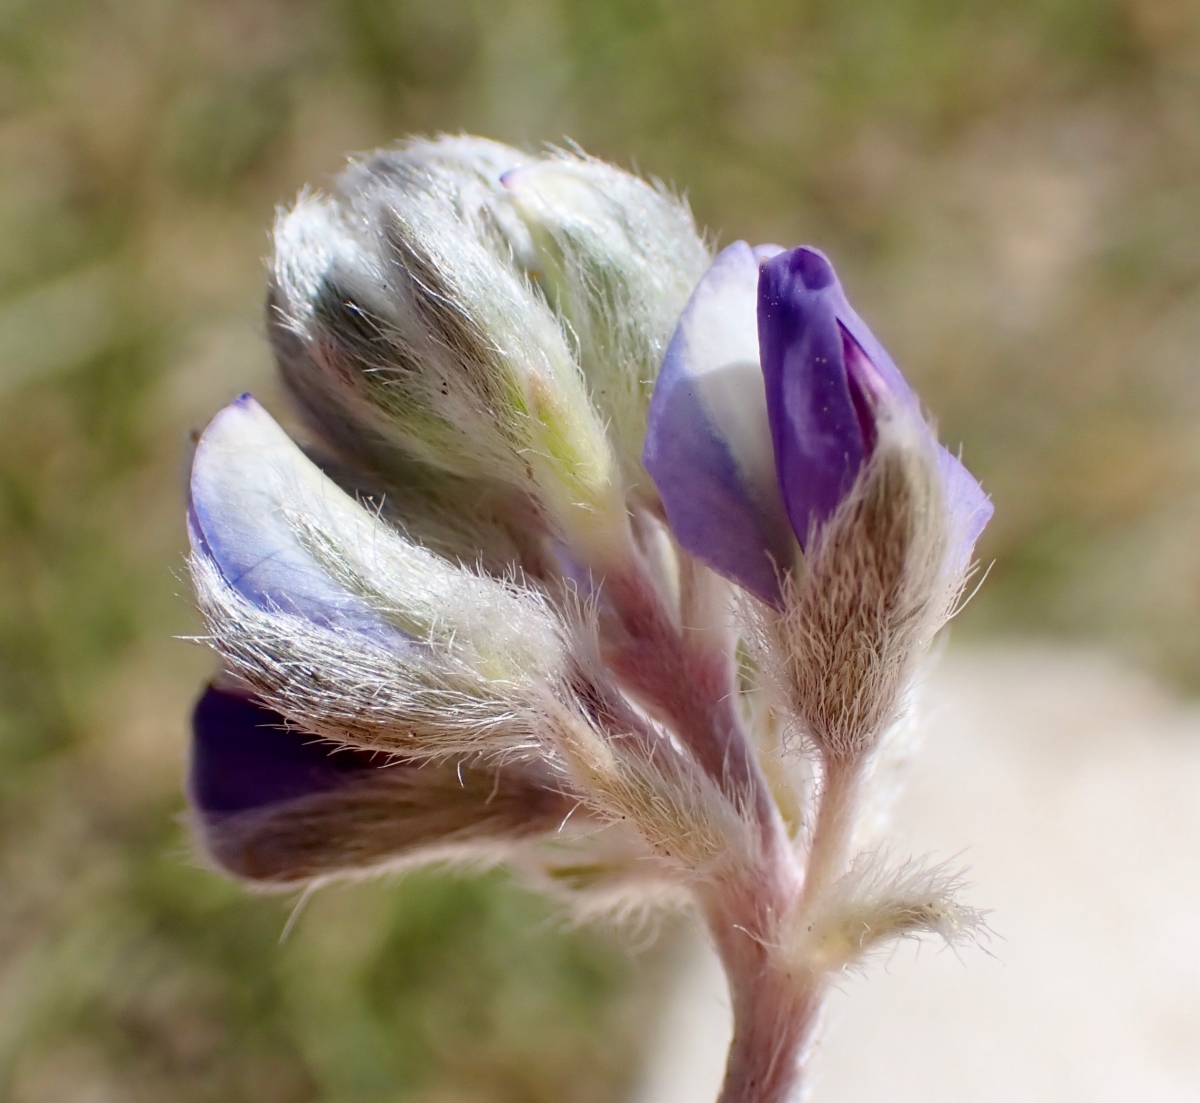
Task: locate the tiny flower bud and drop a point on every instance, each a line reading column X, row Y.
column 403, row 301
column 618, row 257
column 276, row 807
column 342, row 625
column 886, row 516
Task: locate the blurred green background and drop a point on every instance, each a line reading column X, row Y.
column 1012, row 192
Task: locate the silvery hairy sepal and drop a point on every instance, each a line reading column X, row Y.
column 400, row 649
column 618, row 257
column 443, row 307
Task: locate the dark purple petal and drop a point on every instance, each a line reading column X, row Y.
column 707, row 442
column 817, row 421
column 245, row 756
column 828, row 381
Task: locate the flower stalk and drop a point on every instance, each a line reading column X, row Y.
column 607, row 560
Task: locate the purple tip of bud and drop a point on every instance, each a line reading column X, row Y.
column 244, row 756
column 769, row 402
column 246, row 477
column 819, row 405
column 828, row 380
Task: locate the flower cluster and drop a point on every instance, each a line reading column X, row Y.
column 603, row 558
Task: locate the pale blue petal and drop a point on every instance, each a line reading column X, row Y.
column 968, row 507
column 708, row 444
column 249, row 480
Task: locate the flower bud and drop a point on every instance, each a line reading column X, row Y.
column 773, row 396
column 793, row 458
column 406, row 319
column 274, row 806
column 886, row 516
column 349, row 630
column 618, row 257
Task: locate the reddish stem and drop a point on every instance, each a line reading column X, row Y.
column 775, row 1008
column 688, row 684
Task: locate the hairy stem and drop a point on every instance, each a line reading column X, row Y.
column 689, row 684
column 775, row 1008
column 687, row 680
column 833, row 832
column 776, row 1002
column 775, row 1019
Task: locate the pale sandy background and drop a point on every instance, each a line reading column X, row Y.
column 1071, row 787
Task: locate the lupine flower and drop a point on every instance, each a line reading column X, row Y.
column 277, row 808
column 773, row 396
column 589, row 535
column 792, row 457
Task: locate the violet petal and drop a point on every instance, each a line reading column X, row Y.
column 815, row 426
column 827, row 376
column 245, row 756
column 708, row 443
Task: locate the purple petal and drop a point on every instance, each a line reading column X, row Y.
column 817, row 420
column 247, row 475
column 245, row 756
column 708, row 442
column 275, row 807
column 828, row 378
column 969, row 509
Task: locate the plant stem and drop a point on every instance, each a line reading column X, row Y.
column 833, row 833
column 775, row 1007
column 689, row 684
column 776, row 1002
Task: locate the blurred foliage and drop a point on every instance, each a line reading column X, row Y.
column 1011, row 190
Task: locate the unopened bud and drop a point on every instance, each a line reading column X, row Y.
column 342, row 625
column 411, row 310
column 793, row 457
column 619, row 257
column 276, row 807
